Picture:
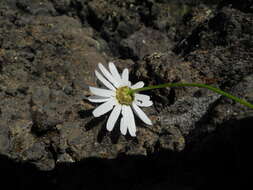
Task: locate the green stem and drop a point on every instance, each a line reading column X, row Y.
column 241, row 101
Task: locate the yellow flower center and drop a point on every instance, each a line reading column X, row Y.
column 123, row 96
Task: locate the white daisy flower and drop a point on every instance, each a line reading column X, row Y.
column 118, row 99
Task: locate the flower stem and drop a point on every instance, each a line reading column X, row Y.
column 217, row 90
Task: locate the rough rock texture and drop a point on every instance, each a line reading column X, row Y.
column 49, row 50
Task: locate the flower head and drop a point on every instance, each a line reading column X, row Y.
column 118, row 98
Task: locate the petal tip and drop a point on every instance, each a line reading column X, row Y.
column 123, row 133
column 150, row 123
column 109, row 128
column 90, row 88
column 133, row 135
column 95, row 114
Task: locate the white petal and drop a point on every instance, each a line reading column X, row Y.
column 98, row 99
column 141, row 97
column 141, row 114
column 104, row 108
column 102, row 92
column 113, row 117
column 114, row 71
column 108, row 75
column 125, row 77
column 139, row 84
column 144, row 103
column 131, row 122
column 123, row 125
column 104, row 81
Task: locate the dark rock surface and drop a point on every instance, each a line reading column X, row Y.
column 49, row 50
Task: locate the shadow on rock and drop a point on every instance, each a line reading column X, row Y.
column 219, row 160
